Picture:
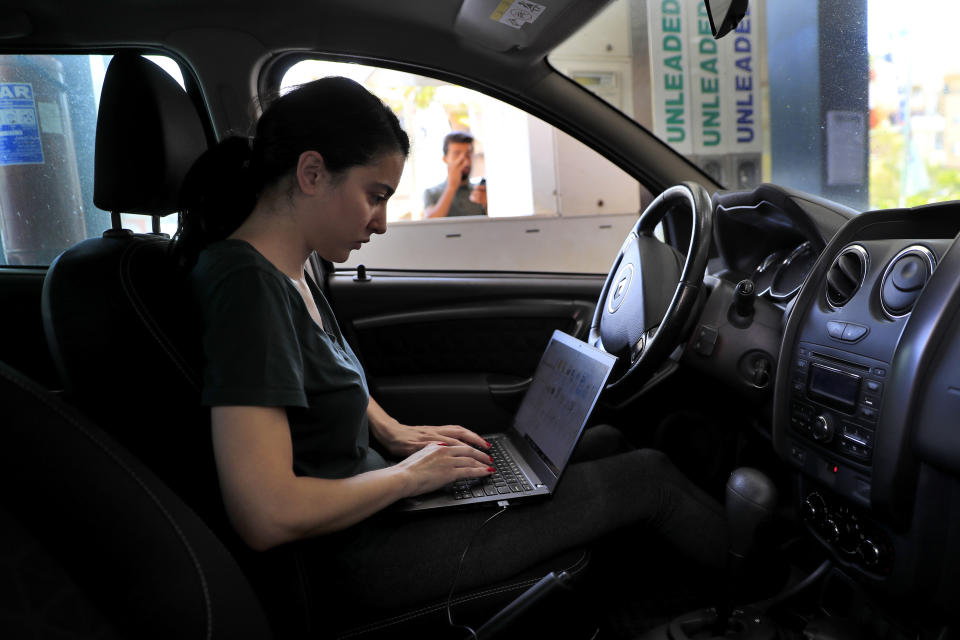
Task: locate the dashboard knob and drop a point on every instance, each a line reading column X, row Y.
column 831, row 531
column 869, row 552
column 849, row 536
column 823, row 428
column 814, row 507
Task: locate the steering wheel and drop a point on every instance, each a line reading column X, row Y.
column 652, row 289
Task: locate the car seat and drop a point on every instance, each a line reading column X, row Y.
column 96, row 545
column 126, row 342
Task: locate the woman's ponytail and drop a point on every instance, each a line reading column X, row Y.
column 337, row 117
column 217, row 195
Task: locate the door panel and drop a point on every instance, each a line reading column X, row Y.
column 457, row 348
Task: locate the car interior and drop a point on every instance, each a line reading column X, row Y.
column 793, row 350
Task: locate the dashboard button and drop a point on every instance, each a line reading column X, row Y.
column 873, row 386
column 836, row 329
column 868, row 413
column 706, row 340
column 854, row 332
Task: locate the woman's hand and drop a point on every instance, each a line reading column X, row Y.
column 402, row 440
column 438, row 464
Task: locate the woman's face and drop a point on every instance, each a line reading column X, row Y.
column 351, row 207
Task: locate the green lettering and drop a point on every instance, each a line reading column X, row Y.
column 671, row 25
column 711, row 138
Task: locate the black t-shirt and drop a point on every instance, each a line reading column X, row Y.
column 262, row 348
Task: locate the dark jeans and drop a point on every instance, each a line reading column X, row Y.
column 407, row 559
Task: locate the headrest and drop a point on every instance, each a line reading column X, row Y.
column 148, row 135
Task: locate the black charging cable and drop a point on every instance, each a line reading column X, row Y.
column 503, row 507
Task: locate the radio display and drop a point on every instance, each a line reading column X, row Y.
column 833, row 387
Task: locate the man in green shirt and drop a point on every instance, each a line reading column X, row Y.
column 455, row 196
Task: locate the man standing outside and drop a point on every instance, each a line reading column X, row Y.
column 455, row 196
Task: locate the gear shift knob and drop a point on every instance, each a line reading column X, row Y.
column 750, row 500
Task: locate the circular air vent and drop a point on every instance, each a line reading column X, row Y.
column 846, row 275
column 905, row 278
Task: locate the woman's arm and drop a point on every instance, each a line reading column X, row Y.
column 403, row 440
column 269, row 505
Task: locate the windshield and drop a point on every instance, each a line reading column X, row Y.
column 857, row 101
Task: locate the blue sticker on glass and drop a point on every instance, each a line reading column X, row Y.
column 19, row 126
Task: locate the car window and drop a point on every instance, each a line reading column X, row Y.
column 48, row 119
column 552, row 203
column 852, row 101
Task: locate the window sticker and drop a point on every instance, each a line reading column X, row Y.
column 19, row 127
column 517, row 13
column 51, row 120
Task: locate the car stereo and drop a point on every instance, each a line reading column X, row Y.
column 835, row 401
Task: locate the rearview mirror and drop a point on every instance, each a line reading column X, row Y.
column 725, row 15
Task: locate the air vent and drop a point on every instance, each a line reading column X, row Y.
column 846, row 275
column 904, row 279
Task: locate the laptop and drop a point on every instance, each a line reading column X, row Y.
column 531, row 455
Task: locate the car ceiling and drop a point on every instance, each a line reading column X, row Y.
column 424, row 29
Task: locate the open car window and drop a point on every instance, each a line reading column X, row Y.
column 553, row 204
column 852, row 101
column 48, row 120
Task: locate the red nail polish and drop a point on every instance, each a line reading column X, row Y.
column 491, row 469
column 491, row 458
column 488, row 445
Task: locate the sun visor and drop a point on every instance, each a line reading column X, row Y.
column 502, row 25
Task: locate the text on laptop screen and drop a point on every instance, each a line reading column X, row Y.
column 558, row 402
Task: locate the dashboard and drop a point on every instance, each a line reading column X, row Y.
column 857, row 320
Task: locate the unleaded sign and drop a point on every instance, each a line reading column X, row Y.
column 706, row 92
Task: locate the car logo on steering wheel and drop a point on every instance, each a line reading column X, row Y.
column 619, row 291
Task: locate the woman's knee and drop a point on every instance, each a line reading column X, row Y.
column 654, row 460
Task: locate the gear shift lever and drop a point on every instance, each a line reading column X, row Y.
column 750, row 500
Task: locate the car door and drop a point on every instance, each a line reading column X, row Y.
column 442, row 347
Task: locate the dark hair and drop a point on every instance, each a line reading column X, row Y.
column 461, row 137
column 337, row 117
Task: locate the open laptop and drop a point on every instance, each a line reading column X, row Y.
column 531, row 455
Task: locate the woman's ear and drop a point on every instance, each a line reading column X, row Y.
column 311, row 172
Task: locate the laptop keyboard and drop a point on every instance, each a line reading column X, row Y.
column 508, row 479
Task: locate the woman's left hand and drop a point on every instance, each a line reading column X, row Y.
column 403, row 440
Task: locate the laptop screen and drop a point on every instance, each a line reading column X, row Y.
column 565, row 388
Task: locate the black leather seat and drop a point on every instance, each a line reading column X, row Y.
column 114, row 307
column 126, row 344
column 100, row 542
